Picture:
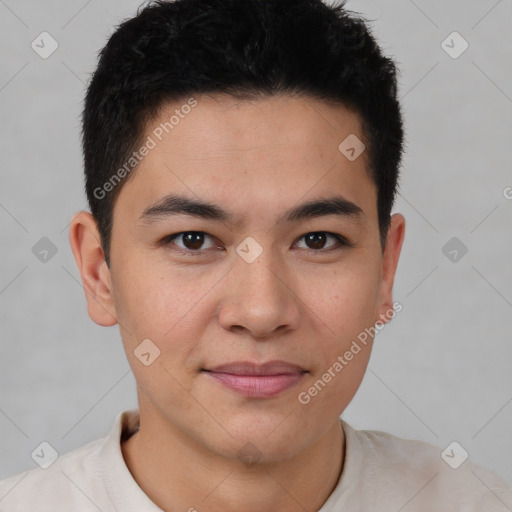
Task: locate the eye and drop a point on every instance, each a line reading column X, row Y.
column 192, row 241
column 317, row 240
column 198, row 241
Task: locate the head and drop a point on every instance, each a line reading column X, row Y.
column 267, row 133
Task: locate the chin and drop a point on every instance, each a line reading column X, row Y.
column 273, row 437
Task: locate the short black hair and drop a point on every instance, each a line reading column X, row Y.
column 247, row 49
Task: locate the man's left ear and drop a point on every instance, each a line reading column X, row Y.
column 394, row 241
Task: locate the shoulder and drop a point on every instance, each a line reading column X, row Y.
column 402, row 471
column 66, row 483
column 82, row 479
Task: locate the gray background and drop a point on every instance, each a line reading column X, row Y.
column 441, row 371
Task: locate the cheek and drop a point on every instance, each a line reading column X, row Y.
column 160, row 303
column 167, row 312
column 344, row 299
column 346, row 304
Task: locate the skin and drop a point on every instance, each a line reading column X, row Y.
column 256, row 159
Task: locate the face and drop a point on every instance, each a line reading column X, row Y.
column 246, row 237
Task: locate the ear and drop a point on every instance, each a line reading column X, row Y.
column 90, row 259
column 390, row 257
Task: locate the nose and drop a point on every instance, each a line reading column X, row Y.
column 259, row 299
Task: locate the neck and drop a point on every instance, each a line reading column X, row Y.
column 177, row 473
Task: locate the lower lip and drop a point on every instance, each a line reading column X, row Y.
column 257, row 386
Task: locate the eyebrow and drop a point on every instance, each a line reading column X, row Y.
column 173, row 204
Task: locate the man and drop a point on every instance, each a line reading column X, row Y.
column 241, row 162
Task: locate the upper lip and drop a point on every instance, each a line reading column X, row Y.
column 250, row 368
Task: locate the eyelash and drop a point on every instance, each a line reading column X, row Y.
column 342, row 241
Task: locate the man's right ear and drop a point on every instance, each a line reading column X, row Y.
column 86, row 246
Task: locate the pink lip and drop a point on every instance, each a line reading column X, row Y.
column 257, row 380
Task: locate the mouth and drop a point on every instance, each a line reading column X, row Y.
column 257, row 380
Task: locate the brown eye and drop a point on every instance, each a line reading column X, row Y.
column 317, row 240
column 193, row 241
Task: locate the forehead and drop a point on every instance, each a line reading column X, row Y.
column 267, row 152
column 220, row 122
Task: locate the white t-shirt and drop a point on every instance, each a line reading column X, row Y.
column 381, row 473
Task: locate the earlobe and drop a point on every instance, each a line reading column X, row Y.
column 390, row 258
column 86, row 246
